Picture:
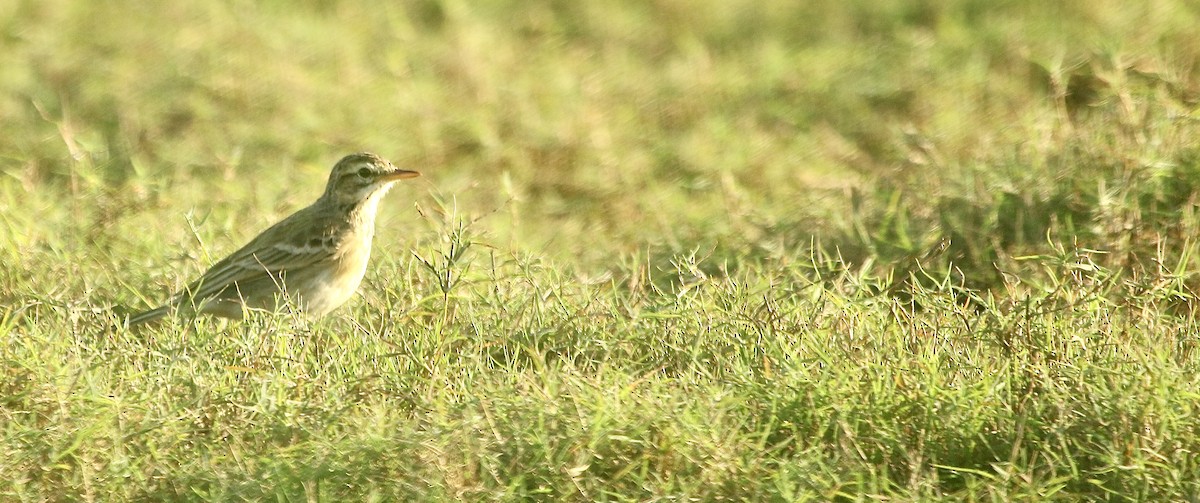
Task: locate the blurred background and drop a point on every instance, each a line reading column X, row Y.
column 819, row 250
column 600, row 134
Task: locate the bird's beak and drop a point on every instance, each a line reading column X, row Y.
column 399, row 174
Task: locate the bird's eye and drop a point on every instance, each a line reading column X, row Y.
column 364, row 172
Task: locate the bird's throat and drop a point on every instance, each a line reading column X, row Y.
column 361, row 211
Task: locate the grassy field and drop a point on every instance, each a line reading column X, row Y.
column 662, row 250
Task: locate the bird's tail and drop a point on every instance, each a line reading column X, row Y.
column 149, row 316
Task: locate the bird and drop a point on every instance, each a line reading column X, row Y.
column 312, row 261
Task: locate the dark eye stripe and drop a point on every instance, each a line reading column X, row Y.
column 351, row 174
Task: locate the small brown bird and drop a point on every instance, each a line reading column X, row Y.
column 312, row 261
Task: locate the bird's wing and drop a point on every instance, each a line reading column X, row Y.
column 274, row 251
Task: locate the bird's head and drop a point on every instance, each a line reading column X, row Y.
column 358, row 177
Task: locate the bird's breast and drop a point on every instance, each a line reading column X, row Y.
column 336, row 284
column 353, row 264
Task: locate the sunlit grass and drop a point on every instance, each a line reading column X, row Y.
column 660, row 250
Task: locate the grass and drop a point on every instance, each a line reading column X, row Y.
column 661, row 250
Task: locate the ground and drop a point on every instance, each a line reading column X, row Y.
column 660, row 250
